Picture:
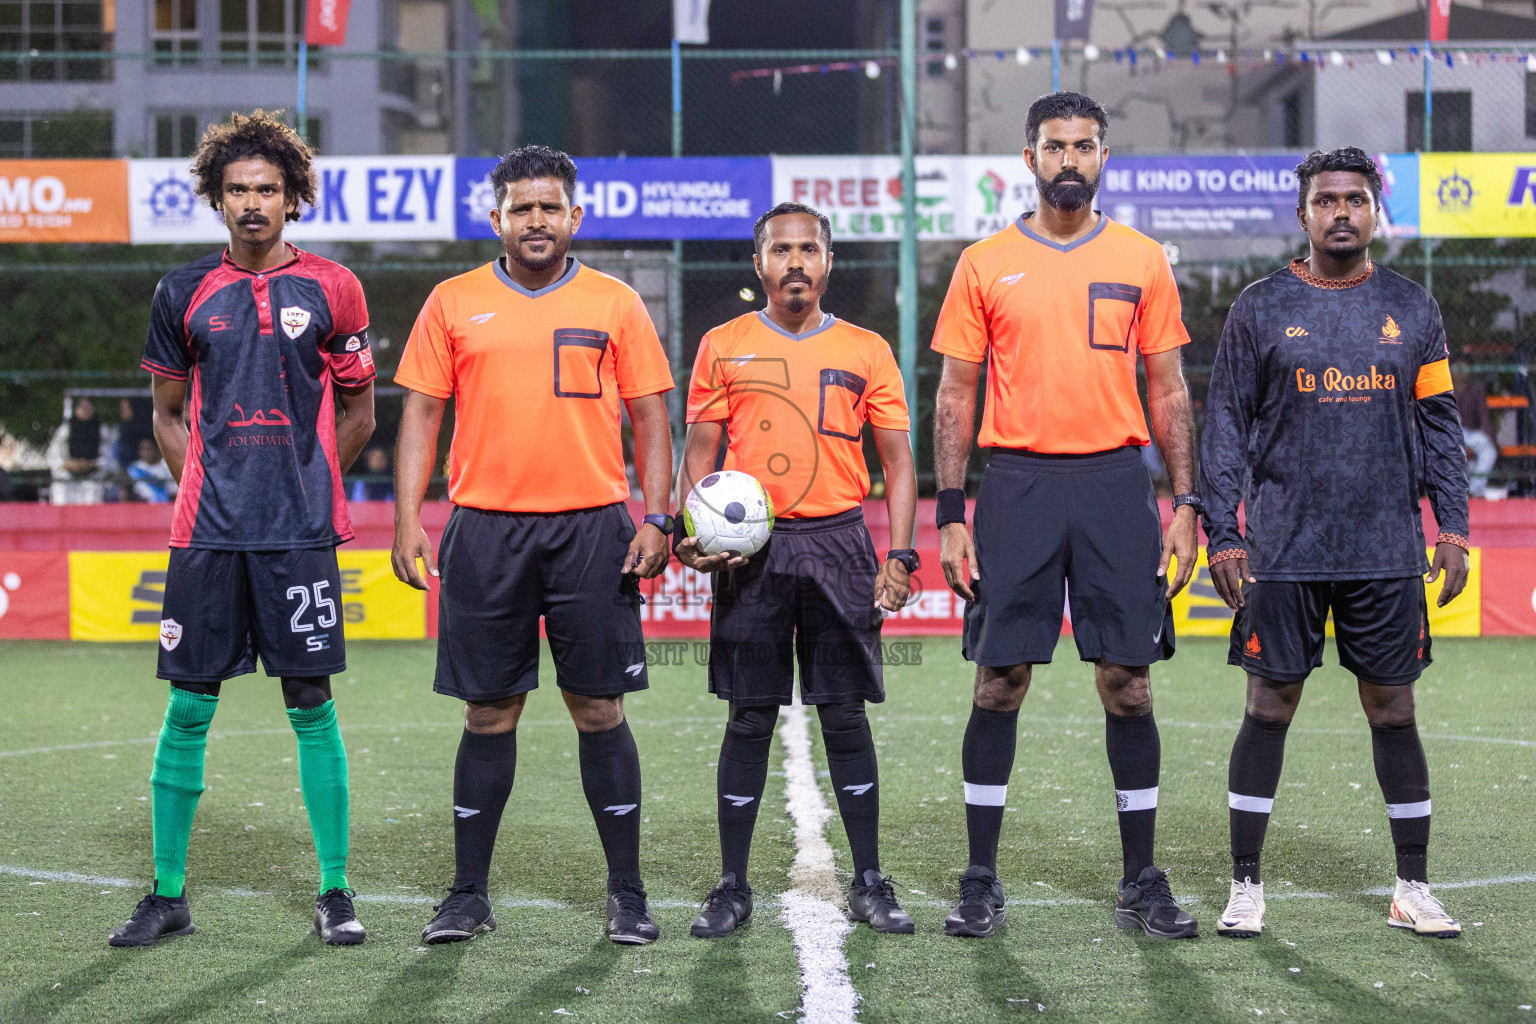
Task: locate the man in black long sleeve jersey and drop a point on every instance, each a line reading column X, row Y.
column 1332, row 387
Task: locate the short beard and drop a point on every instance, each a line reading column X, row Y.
column 1345, row 255
column 556, row 256
column 797, row 304
column 1066, row 194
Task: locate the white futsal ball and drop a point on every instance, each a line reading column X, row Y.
column 729, row 512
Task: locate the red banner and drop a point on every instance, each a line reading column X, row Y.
column 325, row 22
column 1439, row 20
column 1509, row 592
column 34, row 595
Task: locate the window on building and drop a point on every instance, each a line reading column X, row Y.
column 177, row 134
column 1450, row 125
column 77, row 134
column 934, row 46
column 56, row 26
column 1530, row 104
column 261, row 33
column 174, row 38
column 1291, row 127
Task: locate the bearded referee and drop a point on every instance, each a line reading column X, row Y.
column 1058, row 306
column 1331, row 390
column 791, row 387
column 538, row 353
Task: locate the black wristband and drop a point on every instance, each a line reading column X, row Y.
column 951, row 506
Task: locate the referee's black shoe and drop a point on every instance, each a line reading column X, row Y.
column 463, row 915
column 874, row 902
column 727, row 907
column 1148, row 904
column 981, row 907
column 335, row 921
column 155, row 918
column 629, row 916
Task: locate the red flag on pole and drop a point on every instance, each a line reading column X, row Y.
column 1439, row 20
column 325, row 22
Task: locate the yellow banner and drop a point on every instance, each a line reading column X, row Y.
column 1197, row 611
column 1477, row 195
column 116, row 595
column 375, row 605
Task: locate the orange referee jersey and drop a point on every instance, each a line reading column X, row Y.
column 536, row 378
column 1059, row 327
column 794, row 406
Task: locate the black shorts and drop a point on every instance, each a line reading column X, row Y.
column 222, row 608
column 1381, row 628
column 1059, row 529
column 502, row 571
column 810, row 593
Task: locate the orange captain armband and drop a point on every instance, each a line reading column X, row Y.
column 1434, row 379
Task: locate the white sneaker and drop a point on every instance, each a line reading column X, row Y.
column 1244, row 916
column 1414, row 907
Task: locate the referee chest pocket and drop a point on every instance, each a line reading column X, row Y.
column 579, row 362
column 838, row 415
column 1111, row 312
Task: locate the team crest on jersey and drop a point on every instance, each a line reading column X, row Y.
column 295, row 321
column 1390, row 332
column 170, row 634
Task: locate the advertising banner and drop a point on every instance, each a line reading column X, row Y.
column 116, row 595
column 1399, row 194
column 1477, row 195
column 639, row 197
column 63, row 200
column 34, row 595
column 1509, row 593
column 375, row 605
column 357, row 199
column 974, row 196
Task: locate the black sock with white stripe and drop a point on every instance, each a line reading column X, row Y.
column 739, row 780
column 1404, row 776
column 482, row 781
column 1253, row 777
column 1135, row 760
column 986, row 761
column 610, row 775
column 855, row 779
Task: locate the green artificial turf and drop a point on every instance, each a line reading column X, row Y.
column 76, row 740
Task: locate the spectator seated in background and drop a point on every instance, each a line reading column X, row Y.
column 377, row 483
column 77, row 449
column 152, row 480
column 135, row 423
column 1477, row 431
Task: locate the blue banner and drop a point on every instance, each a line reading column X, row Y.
column 639, row 197
column 1168, row 196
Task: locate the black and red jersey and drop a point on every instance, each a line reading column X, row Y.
column 261, row 351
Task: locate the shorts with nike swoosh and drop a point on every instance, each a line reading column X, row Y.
column 1078, row 531
column 502, row 571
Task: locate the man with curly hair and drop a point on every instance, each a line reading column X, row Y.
column 252, row 350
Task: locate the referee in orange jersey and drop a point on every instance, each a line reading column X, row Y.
column 537, row 352
column 1058, row 306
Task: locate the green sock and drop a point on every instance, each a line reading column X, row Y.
column 323, row 777
column 177, row 782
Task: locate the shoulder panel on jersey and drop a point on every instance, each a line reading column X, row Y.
column 181, row 284
column 341, row 288
column 591, row 276
column 216, row 274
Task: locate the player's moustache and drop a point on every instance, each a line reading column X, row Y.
column 253, row 220
column 792, row 277
column 1069, row 190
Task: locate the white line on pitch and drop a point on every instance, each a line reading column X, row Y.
column 810, row 913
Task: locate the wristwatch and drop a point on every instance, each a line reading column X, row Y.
column 1189, row 499
column 661, row 521
column 906, row 556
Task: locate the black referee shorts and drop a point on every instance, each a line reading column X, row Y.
column 502, row 571
column 809, row 595
column 1381, row 628
column 1068, row 530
